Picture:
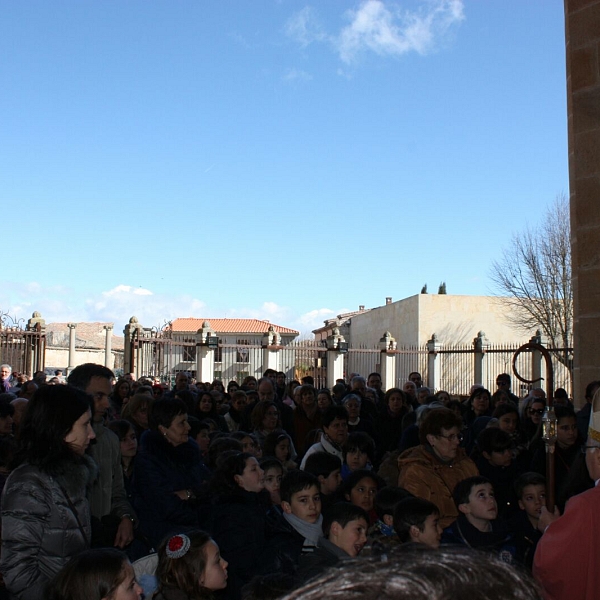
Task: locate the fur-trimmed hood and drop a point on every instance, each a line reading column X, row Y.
column 72, row 473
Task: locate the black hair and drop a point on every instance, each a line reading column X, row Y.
column 223, row 479
column 387, row 498
column 342, row 513
column 562, row 412
column 274, row 438
column 296, row 481
column 356, row 476
column 121, row 428
column 494, row 439
column 164, row 410
column 333, row 412
column 322, row 464
column 590, row 389
column 81, row 376
column 6, row 408
column 359, row 440
column 49, row 417
column 90, row 575
column 463, row 488
column 529, row 478
column 412, row 512
column 218, row 446
column 270, row 463
column 186, row 397
column 505, row 409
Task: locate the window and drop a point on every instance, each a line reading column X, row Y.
column 243, row 352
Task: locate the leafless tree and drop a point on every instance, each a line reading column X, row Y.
column 534, row 278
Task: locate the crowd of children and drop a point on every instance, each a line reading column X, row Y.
column 290, row 480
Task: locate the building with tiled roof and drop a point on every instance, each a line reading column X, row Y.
column 230, row 326
column 241, row 345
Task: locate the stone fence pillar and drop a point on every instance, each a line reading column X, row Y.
column 336, row 348
column 480, row 367
column 130, row 353
column 72, row 327
column 434, row 373
column 271, row 350
column 108, row 346
column 206, row 345
column 388, row 347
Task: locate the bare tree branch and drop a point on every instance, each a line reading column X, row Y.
column 534, row 277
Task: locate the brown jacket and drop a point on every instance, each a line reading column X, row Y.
column 425, row 476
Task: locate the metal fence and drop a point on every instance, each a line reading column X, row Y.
column 158, row 355
column 23, row 350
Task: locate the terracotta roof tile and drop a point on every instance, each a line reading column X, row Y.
column 230, row 325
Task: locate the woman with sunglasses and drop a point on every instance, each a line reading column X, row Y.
column 531, row 418
column 432, row 469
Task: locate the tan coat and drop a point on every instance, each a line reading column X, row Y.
column 425, row 476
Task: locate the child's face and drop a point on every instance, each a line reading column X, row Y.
column 331, row 483
column 203, row 440
column 305, row 504
column 128, row 589
column 566, row 432
column 363, row 493
column 508, row 422
column 214, row 576
column 273, row 483
column 356, row 459
column 532, row 500
column 431, row 534
column 482, row 503
column 499, row 459
column 282, row 450
column 351, row 538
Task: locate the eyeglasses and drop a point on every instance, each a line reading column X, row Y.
column 501, row 382
column 535, row 411
column 453, row 437
column 584, row 449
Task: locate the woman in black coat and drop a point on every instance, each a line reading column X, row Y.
column 240, row 521
column 169, row 474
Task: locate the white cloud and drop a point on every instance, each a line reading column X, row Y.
column 380, row 27
column 118, row 304
column 388, row 32
column 305, row 27
column 292, row 75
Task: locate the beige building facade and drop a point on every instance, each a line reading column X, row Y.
column 453, row 319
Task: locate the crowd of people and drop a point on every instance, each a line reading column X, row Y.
column 253, row 490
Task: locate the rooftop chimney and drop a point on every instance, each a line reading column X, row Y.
column 388, row 300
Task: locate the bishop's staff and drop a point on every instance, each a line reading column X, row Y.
column 548, row 420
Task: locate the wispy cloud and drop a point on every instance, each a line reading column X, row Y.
column 305, row 27
column 381, row 27
column 294, row 75
column 118, row 304
column 392, row 32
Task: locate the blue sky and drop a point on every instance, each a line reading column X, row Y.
column 273, row 159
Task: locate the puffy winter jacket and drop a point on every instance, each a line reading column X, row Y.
column 423, row 475
column 45, row 522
